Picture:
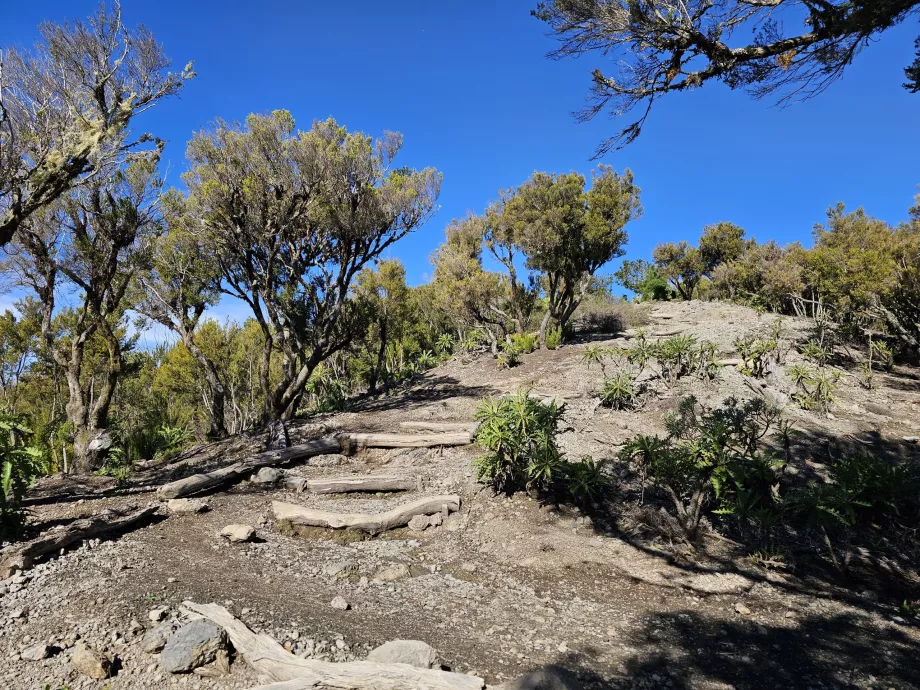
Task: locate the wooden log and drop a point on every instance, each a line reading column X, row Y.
column 439, row 426
column 365, row 522
column 344, row 485
column 270, row 659
column 200, row 482
column 22, row 556
column 353, row 442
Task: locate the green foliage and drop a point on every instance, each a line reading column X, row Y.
column 757, row 354
column 644, row 279
column 519, row 434
column 510, row 355
column 816, row 352
column 19, row 463
column 619, row 391
column 712, row 459
column 553, row 338
column 814, row 387
column 525, row 343
column 328, row 394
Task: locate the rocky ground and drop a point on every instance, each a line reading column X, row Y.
column 502, row 587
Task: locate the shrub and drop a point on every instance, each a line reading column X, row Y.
column 329, row 395
column 519, row 433
column 525, row 343
column 676, row 357
column 815, row 387
column 619, row 391
column 510, row 355
column 711, row 456
column 816, row 352
column 553, row 338
column 756, row 353
column 444, row 344
column 18, row 465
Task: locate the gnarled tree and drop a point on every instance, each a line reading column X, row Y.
column 66, row 106
column 291, row 218
column 91, row 245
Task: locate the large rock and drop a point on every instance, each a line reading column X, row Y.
column 186, row 506
column 90, row 663
column 36, row 652
column 155, row 639
column 238, row 533
column 412, row 652
column 549, row 677
column 267, row 475
column 193, row 645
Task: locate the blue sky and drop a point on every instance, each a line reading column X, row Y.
column 469, row 86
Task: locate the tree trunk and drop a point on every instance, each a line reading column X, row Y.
column 544, row 326
column 218, row 426
column 381, row 356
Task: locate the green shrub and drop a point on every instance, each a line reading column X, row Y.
column 525, row 343
column 814, row 387
column 519, row 433
column 816, row 352
column 619, row 391
column 553, row 338
column 329, row 395
column 18, row 466
column 711, row 459
column 756, row 353
column 445, row 344
column 510, row 355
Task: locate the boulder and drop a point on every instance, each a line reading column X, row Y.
column 90, row 663
column 193, row 645
column 267, row 475
column 155, row 639
column 186, row 506
column 340, row 604
column 412, row 652
column 157, row 614
column 550, row 677
column 36, row 652
column 238, row 533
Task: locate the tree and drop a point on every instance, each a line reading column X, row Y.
column 65, row 109
column 501, row 237
column 766, row 274
column 682, row 265
column 473, row 296
column 644, row 279
column 669, row 46
column 566, row 233
column 387, row 297
column 93, row 242
column 291, row 219
column 721, row 243
column 19, row 343
column 176, row 289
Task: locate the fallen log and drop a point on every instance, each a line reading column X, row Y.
column 270, row 659
column 200, row 482
column 22, row 556
column 353, row 442
column 365, row 522
column 439, row 426
column 344, row 485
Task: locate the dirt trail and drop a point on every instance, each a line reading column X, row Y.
column 503, row 586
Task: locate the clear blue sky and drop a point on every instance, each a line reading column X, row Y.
column 469, row 86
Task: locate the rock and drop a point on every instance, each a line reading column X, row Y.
column 911, row 439
column 193, row 645
column 412, row 652
column 719, row 583
column 238, row 533
column 36, row 652
column 158, row 614
column 340, row 604
column 186, row 506
column 90, row 663
column 340, row 568
column 154, row 639
column 392, row 573
column 550, row 677
column 419, row 523
column 742, row 609
column 267, row 475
